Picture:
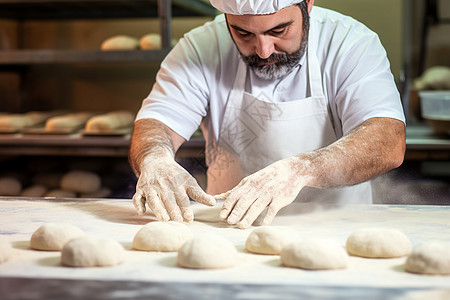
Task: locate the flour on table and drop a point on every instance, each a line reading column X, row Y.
column 270, row 239
column 315, row 254
column 430, row 258
column 90, row 251
column 207, row 251
column 378, row 243
column 162, row 236
column 53, row 236
column 6, row 251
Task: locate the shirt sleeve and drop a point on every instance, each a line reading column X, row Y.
column 179, row 97
column 361, row 80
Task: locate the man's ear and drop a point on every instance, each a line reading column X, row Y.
column 310, row 5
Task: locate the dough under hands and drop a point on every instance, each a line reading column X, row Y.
column 90, row 251
column 10, row 186
column 6, row 251
column 270, row 239
column 315, row 254
column 53, row 236
column 430, row 258
column 81, row 181
column 378, row 243
column 208, row 251
column 162, row 236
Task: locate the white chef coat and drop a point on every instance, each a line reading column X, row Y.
column 197, row 76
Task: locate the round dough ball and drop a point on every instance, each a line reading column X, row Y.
column 81, row 182
column 207, row 251
column 34, row 191
column 270, row 239
column 162, row 236
column 378, row 243
column 430, row 258
column 53, row 236
column 89, row 251
column 10, row 186
column 6, row 251
column 57, row 193
column 120, row 42
column 315, row 254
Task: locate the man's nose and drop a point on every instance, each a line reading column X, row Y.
column 264, row 46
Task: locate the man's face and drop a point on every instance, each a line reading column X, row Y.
column 270, row 44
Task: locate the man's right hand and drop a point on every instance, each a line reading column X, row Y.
column 166, row 188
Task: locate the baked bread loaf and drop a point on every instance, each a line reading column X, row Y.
column 70, row 121
column 120, row 42
column 109, row 122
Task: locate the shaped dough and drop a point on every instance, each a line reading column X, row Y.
column 120, row 42
column 10, row 186
column 92, row 252
column 430, row 258
column 109, row 122
column 162, row 236
column 315, row 254
column 81, row 182
column 378, row 243
column 53, row 236
column 207, row 251
column 270, row 239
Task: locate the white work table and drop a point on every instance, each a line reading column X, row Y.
column 34, row 274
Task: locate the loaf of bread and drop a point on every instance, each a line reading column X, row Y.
column 109, row 122
column 152, row 41
column 20, row 121
column 434, row 78
column 70, row 121
column 120, row 42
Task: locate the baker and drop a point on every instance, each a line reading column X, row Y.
column 294, row 102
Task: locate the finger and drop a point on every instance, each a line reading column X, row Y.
column 139, row 202
column 230, row 202
column 272, row 210
column 154, row 203
column 169, row 202
column 185, row 205
column 196, row 193
column 253, row 212
column 241, row 208
column 223, row 196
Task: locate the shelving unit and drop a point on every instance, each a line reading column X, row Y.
column 17, row 60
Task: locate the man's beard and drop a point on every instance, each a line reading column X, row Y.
column 283, row 62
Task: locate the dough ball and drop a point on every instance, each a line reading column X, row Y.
column 57, row 193
column 207, row 251
column 430, row 258
column 49, row 180
column 89, row 251
column 162, row 236
column 34, row 191
column 314, row 254
column 150, row 41
column 53, row 236
column 103, row 192
column 81, row 182
column 120, row 42
column 378, row 243
column 6, row 251
column 10, row 186
column 270, row 239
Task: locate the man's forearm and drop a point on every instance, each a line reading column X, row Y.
column 373, row 148
column 151, row 137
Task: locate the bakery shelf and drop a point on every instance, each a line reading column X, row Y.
column 98, row 9
column 26, row 57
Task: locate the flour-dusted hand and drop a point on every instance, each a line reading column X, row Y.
column 274, row 187
column 163, row 184
column 166, row 188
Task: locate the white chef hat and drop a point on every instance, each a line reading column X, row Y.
column 251, row 7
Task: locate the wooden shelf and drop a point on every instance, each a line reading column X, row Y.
column 26, row 57
column 97, row 9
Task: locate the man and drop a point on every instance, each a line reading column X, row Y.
column 294, row 102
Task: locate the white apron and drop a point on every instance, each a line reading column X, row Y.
column 256, row 133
